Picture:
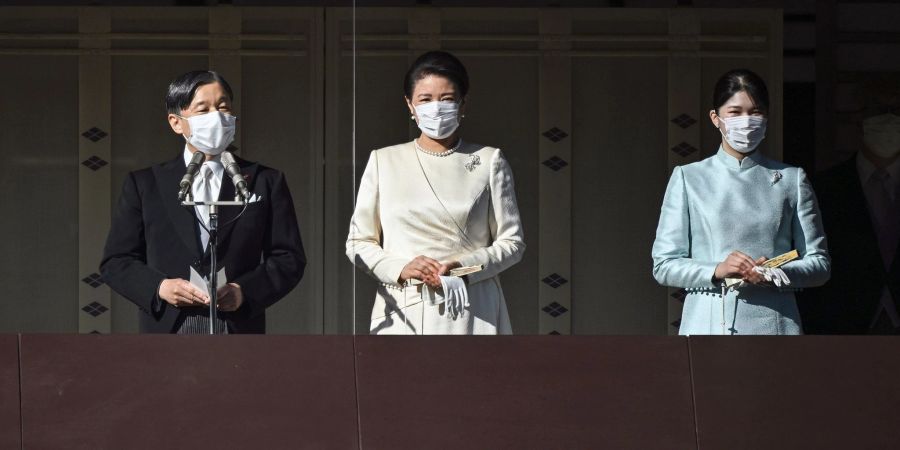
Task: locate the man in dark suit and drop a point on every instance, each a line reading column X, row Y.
column 861, row 214
column 154, row 241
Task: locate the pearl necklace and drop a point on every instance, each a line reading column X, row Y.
column 442, row 154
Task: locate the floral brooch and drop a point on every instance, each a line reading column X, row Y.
column 474, row 161
column 776, row 177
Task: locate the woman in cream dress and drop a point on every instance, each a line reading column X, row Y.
column 432, row 205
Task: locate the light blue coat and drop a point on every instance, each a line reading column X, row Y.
column 756, row 205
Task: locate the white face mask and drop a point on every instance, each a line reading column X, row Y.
column 438, row 120
column 211, row 133
column 881, row 135
column 743, row 133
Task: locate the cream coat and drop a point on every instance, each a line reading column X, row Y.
column 412, row 203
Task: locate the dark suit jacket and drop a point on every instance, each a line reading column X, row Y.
column 848, row 302
column 153, row 237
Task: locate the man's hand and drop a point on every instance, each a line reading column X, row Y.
column 229, row 297
column 179, row 292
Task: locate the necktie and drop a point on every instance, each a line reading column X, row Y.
column 885, row 214
column 203, row 193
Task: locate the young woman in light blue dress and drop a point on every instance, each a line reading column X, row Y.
column 724, row 216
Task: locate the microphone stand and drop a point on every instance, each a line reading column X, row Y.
column 214, row 244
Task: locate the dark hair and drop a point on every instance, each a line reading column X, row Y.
column 182, row 90
column 437, row 63
column 741, row 80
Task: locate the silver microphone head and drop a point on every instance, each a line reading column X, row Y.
column 234, row 171
column 227, row 158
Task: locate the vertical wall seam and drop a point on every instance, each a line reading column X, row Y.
column 21, row 413
column 356, row 392
column 693, row 392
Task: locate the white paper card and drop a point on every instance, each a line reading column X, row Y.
column 202, row 281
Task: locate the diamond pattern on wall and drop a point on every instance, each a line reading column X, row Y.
column 684, row 149
column 684, row 121
column 93, row 280
column 555, row 134
column 94, row 163
column 679, row 295
column 95, row 309
column 554, row 333
column 95, row 134
column 555, row 309
column 555, row 280
column 555, row 163
column 95, row 332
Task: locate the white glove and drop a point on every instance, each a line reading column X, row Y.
column 453, row 294
column 454, row 307
column 457, row 295
column 774, row 275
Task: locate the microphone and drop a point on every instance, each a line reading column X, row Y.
column 188, row 177
column 234, row 171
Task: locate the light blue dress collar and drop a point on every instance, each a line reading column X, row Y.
column 730, row 162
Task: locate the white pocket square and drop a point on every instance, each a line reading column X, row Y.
column 254, row 198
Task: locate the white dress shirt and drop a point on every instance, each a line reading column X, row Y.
column 201, row 192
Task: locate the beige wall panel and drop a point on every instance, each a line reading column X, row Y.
column 555, row 196
column 283, row 126
column 619, row 177
column 339, row 274
column 275, row 119
column 39, row 194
